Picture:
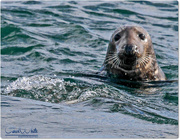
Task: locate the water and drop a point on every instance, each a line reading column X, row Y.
column 50, row 53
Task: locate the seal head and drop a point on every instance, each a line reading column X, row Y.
column 130, row 55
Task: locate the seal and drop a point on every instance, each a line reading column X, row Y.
column 131, row 56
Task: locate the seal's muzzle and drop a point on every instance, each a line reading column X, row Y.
column 129, row 50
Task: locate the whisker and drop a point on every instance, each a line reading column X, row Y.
column 116, row 62
column 108, row 61
column 143, row 62
column 113, row 62
column 109, row 56
column 119, row 62
column 146, row 59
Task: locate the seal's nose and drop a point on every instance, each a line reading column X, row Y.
column 129, row 49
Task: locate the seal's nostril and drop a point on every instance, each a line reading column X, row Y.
column 129, row 49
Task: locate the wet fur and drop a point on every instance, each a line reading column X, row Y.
column 142, row 66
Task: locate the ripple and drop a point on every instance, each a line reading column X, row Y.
column 29, row 2
column 156, row 4
column 18, row 50
column 19, row 11
column 39, row 25
column 124, row 11
column 63, row 8
column 9, row 30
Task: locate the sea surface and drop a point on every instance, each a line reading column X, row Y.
column 50, row 53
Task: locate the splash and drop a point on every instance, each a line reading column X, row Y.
column 57, row 90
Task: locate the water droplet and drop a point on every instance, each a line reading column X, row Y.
column 139, row 101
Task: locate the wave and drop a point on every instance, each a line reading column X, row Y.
column 102, row 96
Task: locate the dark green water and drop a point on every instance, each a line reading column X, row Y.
column 49, row 51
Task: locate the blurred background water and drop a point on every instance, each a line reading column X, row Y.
column 49, row 50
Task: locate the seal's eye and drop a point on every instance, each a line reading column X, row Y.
column 117, row 37
column 142, row 36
